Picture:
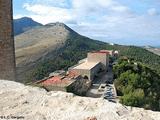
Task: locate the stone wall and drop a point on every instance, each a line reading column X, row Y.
column 55, row 88
column 79, row 87
column 98, row 57
column 7, row 51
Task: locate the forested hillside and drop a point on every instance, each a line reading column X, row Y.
column 137, row 84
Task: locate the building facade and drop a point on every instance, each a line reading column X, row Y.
column 7, row 50
column 91, row 67
column 99, row 56
column 88, row 70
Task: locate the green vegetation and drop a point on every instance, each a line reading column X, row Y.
column 137, row 84
column 76, row 48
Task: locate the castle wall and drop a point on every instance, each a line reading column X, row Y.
column 99, row 57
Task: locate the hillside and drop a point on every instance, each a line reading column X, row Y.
column 38, row 44
column 31, row 103
column 137, row 84
column 55, row 46
column 23, row 24
column 154, row 50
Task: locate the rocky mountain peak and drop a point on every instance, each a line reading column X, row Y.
column 60, row 25
column 56, row 24
column 24, row 18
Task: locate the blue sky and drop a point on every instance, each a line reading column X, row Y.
column 117, row 21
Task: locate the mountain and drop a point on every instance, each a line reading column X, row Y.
column 55, row 46
column 23, row 24
column 32, row 103
column 155, row 50
column 39, row 44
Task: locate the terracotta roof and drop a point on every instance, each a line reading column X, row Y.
column 72, row 74
column 56, row 80
column 102, row 51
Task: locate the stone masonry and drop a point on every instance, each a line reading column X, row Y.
column 7, row 50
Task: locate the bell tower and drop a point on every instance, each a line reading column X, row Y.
column 7, row 50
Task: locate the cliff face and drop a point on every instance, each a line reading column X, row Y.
column 36, row 104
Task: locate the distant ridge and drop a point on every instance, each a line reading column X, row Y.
column 23, row 24
column 148, row 47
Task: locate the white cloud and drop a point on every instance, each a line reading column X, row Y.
column 152, row 12
column 98, row 6
column 46, row 14
column 135, row 29
column 120, row 8
column 79, row 10
column 57, row 3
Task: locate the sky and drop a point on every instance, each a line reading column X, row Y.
column 129, row 22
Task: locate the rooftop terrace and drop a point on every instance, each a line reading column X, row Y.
column 86, row 65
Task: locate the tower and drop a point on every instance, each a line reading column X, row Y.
column 7, row 50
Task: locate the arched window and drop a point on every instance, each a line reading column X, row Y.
column 85, row 77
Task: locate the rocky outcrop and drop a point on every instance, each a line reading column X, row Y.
column 34, row 103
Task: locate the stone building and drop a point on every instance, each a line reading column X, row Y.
column 70, row 82
column 91, row 67
column 88, row 69
column 7, row 50
column 99, row 56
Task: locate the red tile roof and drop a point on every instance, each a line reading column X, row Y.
column 72, row 73
column 101, row 51
column 60, row 79
column 52, row 80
